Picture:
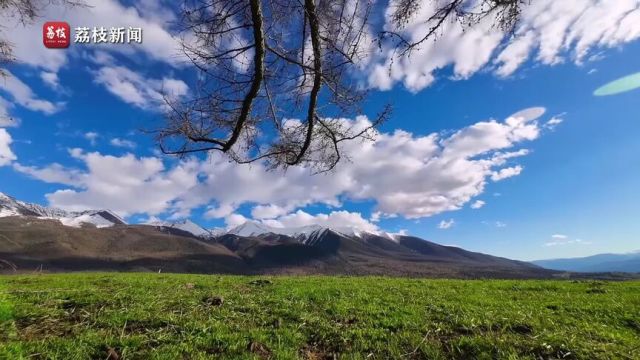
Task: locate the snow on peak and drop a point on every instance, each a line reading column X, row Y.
column 184, row 225
column 190, row 226
column 302, row 233
column 94, row 218
column 100, row 218
column 252, row 228
column 105, row 218
column 217, row 231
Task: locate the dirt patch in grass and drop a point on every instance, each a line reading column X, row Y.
column 260, row 282
column 74, row 317
column 147, row 326
column 549, row 352
column 312, row 352
column 213, row 300
column 463, row 331
column 327, row 341
column 522, row 329
column 111, row 353
column 348, row 321
column 596, row 287
column 41, row 327
column 261, row 350
column 596, row 291
column 632, row 324
column 70, row 305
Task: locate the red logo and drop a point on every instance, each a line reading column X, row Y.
column 56, row 34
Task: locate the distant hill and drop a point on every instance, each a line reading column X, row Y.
column 37, row 237
column 29, row 243
column 597, row 263
column 32, row 243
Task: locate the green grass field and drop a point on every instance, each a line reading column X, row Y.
column 158, row 316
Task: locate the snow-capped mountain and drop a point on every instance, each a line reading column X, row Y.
column 250, row 248
column 184, row 225
column 304, row 234
column 100, row 218
column 105, row 218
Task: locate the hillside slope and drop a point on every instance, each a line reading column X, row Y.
column 30, row 243
column 50, row 239
column 597, row 263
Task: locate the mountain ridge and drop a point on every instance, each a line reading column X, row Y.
column 51, row 239
column 34, row 236
column 253, row 228
column 607, row 262
column 10, row 206
column 185, row 225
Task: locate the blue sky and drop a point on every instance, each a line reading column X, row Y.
column 572, row 189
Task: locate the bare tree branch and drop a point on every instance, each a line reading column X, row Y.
column 276, row 76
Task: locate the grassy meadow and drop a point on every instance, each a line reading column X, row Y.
column 164, row 316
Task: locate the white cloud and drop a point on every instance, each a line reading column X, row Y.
column 492, row 135
column 51, row 79
column 92, row 137
column 412, row 176
column 375, row 216
column 6, row 155
column 498, row 224
column 101, row 57
column 563, row 240
column 117, row 142
column 267, row 211
column 216, row 212
column 553, row 123
column 446, row 224
column 157, row 44
column 506, row 173
column 478, row 204
column 549, row 32
column 126, row 184
column 468, row 50
column 23, row 95
column 515, row 54
column 401, row 173
column 53, row 173
column 154, row 10
column 233, row 220
column 137, row 90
